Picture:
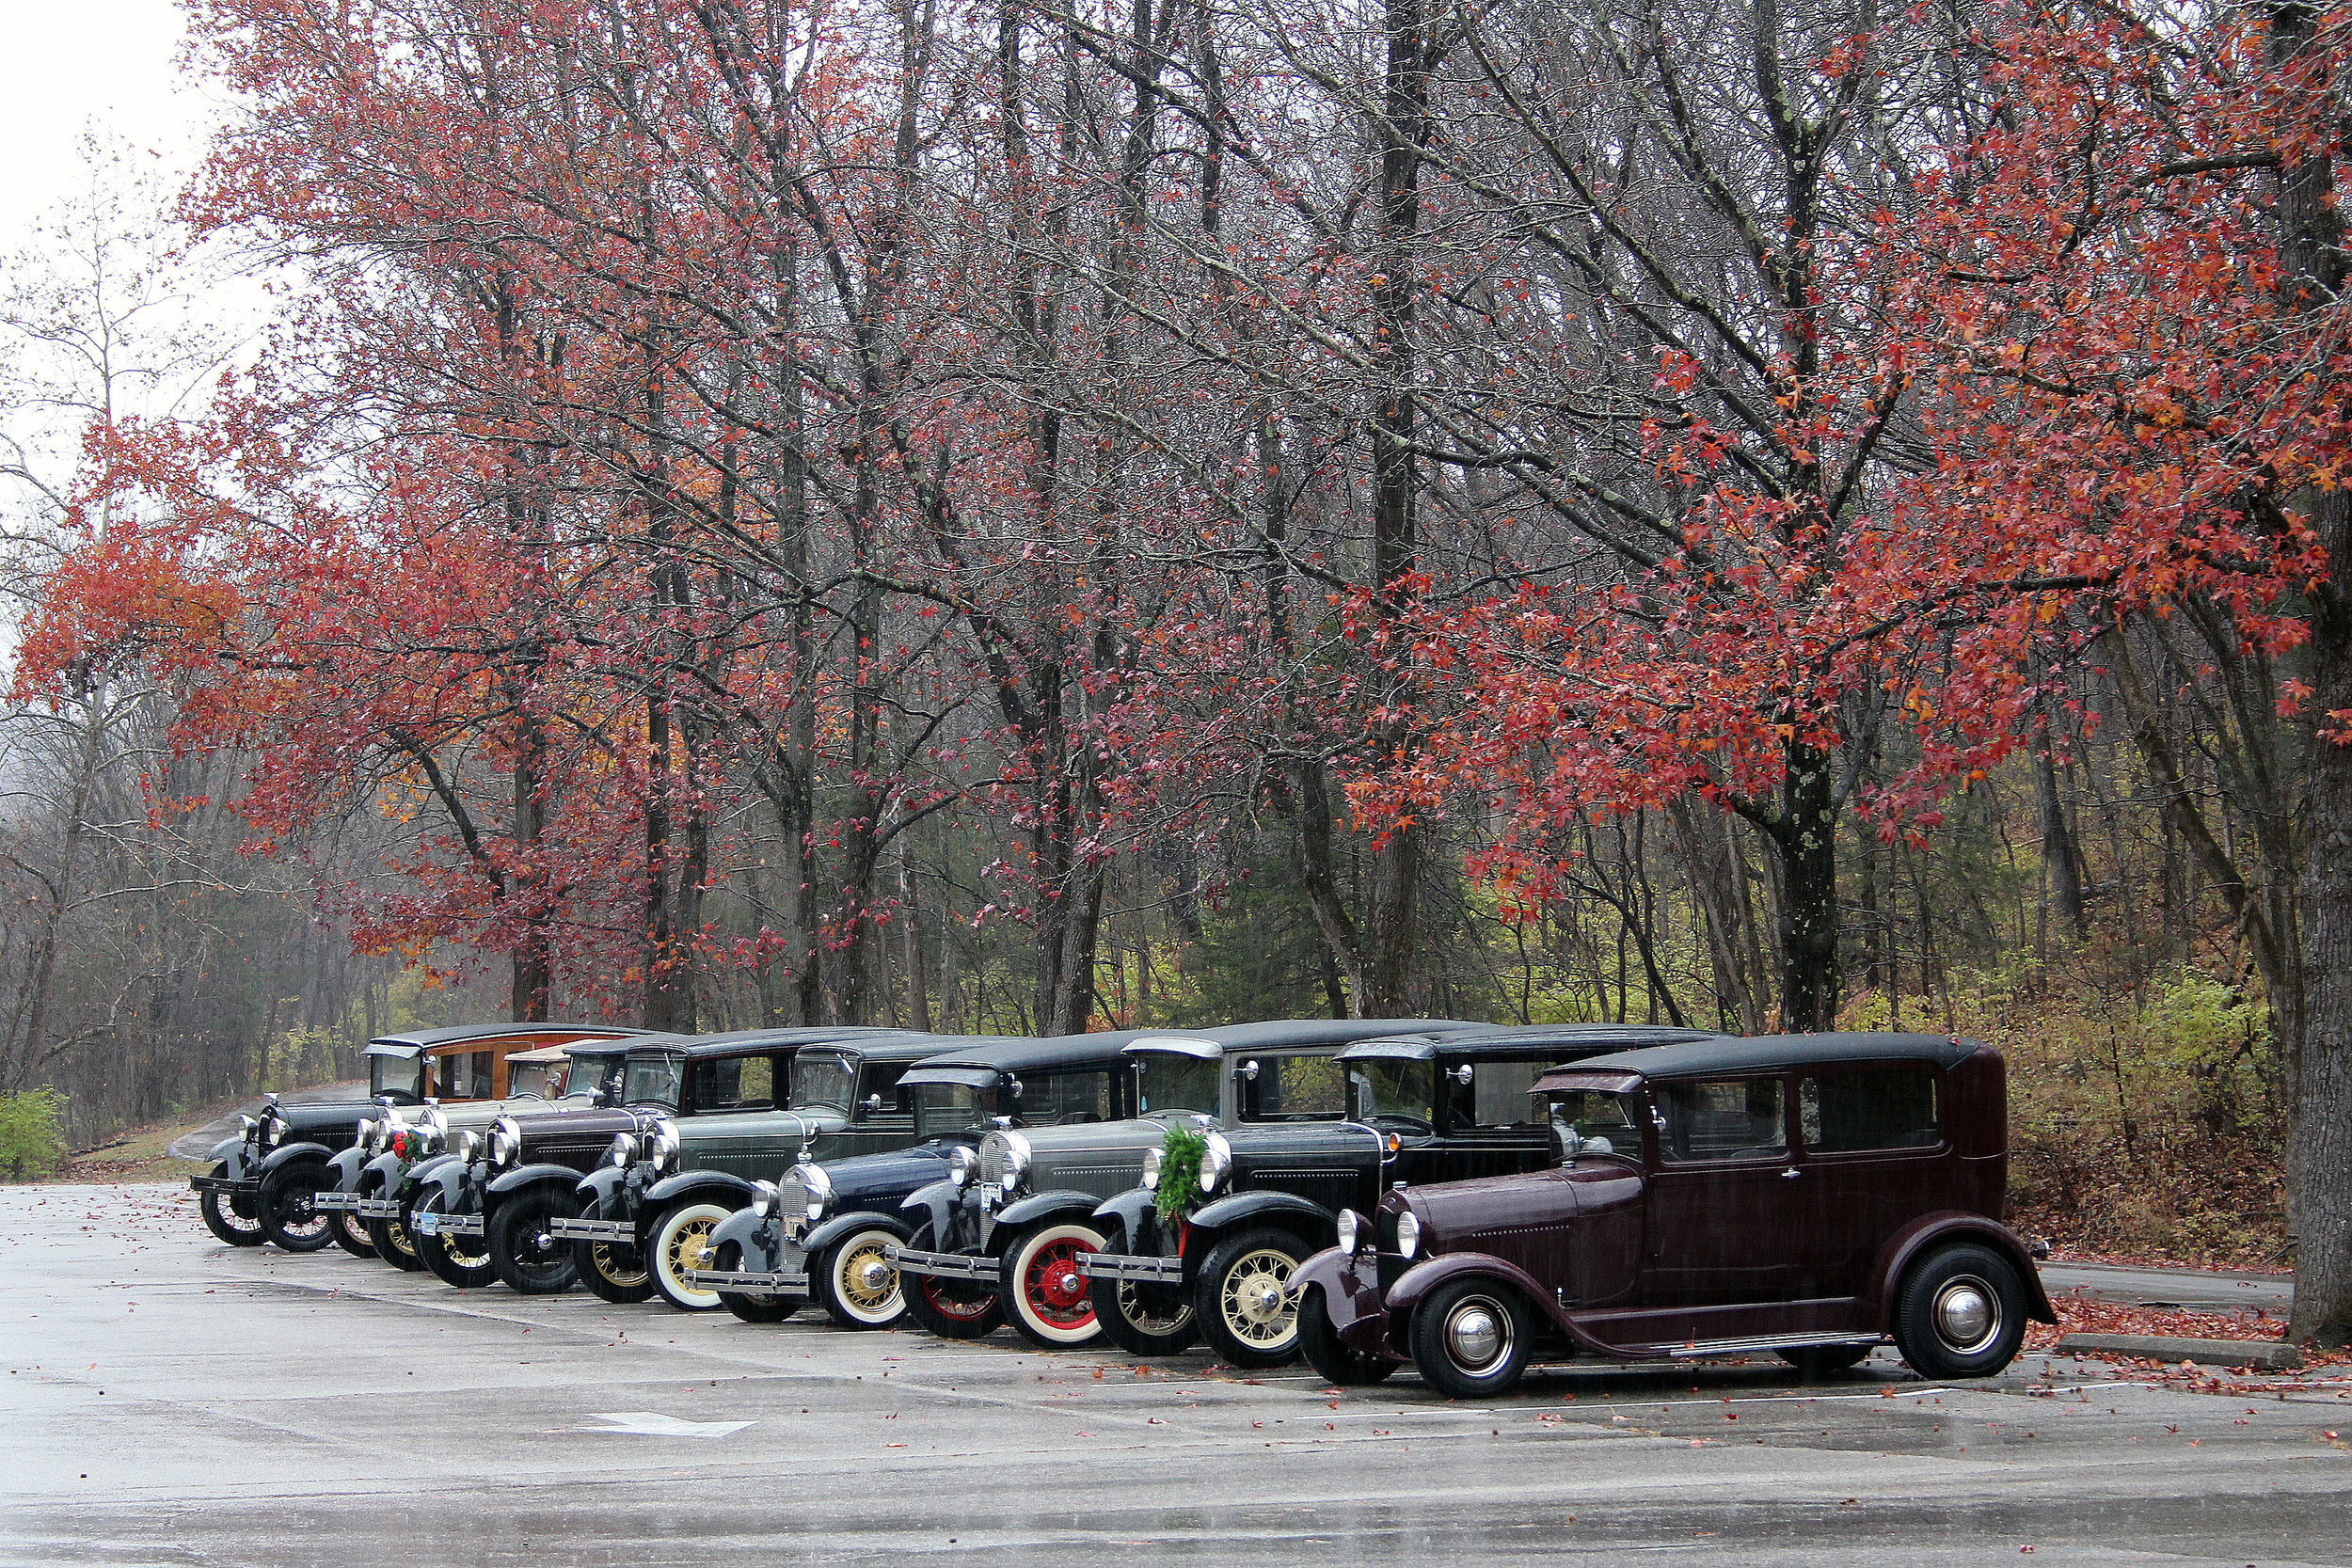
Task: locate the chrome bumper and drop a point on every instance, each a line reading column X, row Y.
column 448, row 1225
column 726, row 1279
column 377, row 1208
column 333, row 1202
column 226, row 1185
column 576, row 1230
column 946, row 1265
column 1132, row 1266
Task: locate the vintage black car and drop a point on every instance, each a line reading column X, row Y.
column 1807, row 1194
column 1001, row 1236
column 820, row 1230
column 264, row 1185
column 1418, row 1108
column 647, row 1216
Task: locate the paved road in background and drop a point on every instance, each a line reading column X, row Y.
column 2195, row 1292
column 168, row 1401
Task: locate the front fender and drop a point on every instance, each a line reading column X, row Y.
column 291, row 1153
column 531, row 1176
column 1287, row 1210
column 756, row 1235
column 599, row 1185
column 855, row 1220
column 1422, row 1278
column 381, row 1172
column 347, row 1165
column 716, row 1186
column 231, row 1153
column 446, row 1179
column 1042, row 1206
column 937, row 1203
column 1352, row 1298
column 1122, row 1217
column 422, row 1175
column 1922, row 1236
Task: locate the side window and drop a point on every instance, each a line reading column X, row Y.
column 1065, row 1096
column 467, row 1075
column 882, row 1078
column 736, row 1083
column 1726, row 1119
column 1873, row 1108
column 1496, row 1097
column 1296, row 1088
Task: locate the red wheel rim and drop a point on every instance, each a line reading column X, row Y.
column 950, row 1299
column 1056, row 1289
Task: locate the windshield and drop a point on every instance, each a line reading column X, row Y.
column 591, row 1075
column 944, row 1108
column 1594, row 1113
column 652, row 1080
column 1172, row 1082
column 821, row 1080
column 1398, row 1090
column 392, row 1075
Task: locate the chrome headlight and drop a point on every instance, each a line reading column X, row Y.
column 365, row 1132
column 1150, row 1180
column 273, row 1128
column 624, row 1151
column 1408, row 1233
column 467, row 1145
column 507, row 1141
column 962, row 1164
column 763, row 1199
column 1216, row 1163
column 661, row 1145
column 1348, row 1223
column 1003, row 1160
column 436, row 1129
column 246, row 1127
column 804, row 1194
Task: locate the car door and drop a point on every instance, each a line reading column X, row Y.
column 732, row 1124
column 1872, row 1154
column 1721, row 1196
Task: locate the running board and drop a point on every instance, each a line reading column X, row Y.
column 1693, row 1348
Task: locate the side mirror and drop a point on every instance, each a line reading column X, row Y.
column 1018, row 1088
column 1461, row 1075
column 1566, row 1141
column 1249, row 1072
column 873, row 1104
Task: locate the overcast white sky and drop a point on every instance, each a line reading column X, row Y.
column 69, row 63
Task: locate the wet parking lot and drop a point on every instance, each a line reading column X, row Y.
column 170, row 1401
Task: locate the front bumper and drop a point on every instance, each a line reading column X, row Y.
column 377, row 1208
column 946, row 1265
column 1132, row 1266
column 228, row 1186
column 430, row 1224
column 735, row 1279
column 577, row 1228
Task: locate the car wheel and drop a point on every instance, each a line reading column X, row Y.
column 395, row 1243
column 1046, row 1296
column 1824, row 1360
column 1242, row 1296
column 287, row 1214
column 681, row 1241
column 1961, row 1313
column 461, row 1261
column 951, row 1308
column 1471, row 1338
column 855, row 1283
column 225, row 1220
column 525, row 1253
column 752, row 1307
column 612, row 1271
column 1144, row 1319
column 1335, row 1360
column 351, row 1234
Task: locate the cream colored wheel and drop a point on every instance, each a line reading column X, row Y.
column 681, row 1241
column 1244, row 1299
column 858, row 1287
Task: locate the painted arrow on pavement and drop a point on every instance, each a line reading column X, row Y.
column 651, row 1423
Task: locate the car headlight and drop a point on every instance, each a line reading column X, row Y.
column 467, row 1146
column 1216, row 1163
column 1348, row 1230
column 246, row 1127
column 273, row 1130
column 962, row 1164
column 661, row 1145
column 624, row 1151
column 763, row 1199
column 1150, row 1181
column 365, row 1132
column 1408, row 1233
column 507, row 1141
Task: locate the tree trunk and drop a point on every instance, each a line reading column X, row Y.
column 1807, row 840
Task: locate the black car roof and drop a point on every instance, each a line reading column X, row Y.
column 1306, row 1031
column 412, row 1042
column 887, row 1045
column 1018, row 1052
column 1534, row 1039
column 743, row 1042
column 1762, row 1053
column 618, row 1047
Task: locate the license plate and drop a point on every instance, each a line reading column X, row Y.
column 428, row 1225
column 991, row 1192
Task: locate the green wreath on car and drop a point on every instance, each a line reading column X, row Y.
column 1179, row 1190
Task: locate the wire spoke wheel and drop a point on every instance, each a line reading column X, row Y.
column 859, row 1288
column 224, row 1219
column 681, row 1241
column 1048, row 1297
column 1242, row 1296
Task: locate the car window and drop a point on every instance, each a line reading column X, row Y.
column 651, row 1081
column 821, row 1080
column 1299, row 1088
column 1497, row 1095
column 1174, row 1081
column 1595, row 1113
column 391, row 1075
column 882, row 1078
column 465, row 1075
column 735, row 1083
column 1402, row 1089
column 1728, row 1119
column 1872, row 1108
column 1052, row 1100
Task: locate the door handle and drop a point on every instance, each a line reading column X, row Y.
column 1790, row 1173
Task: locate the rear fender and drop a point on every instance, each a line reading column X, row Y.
column 855, row 1220
column 292, row 1154
column 1922, row 1236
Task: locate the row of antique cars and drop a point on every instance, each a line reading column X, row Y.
column 1364, row 1193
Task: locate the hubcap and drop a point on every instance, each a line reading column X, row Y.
column 873, row 1275
column 1968, row 1314
column 1477, row 1335
column 1256, row 1298
column 1056, row 1293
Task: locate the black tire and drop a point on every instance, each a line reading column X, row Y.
column 1045, row 1298
column 233, row 1222
column 529, row 1261
column 395, row 1243
column 1144, row 1319
column 1961, row 1313
column 752, row 1307
column 462, row 1262
column 1240, row 1297
column 1471, row 1338
column 678, row 1241
column 854, row 1284
column 351, row 1234
column 286, row 1213
column 1335, row 1360
column 1825, row 1360
column 951, row 1308
column 612, row 1271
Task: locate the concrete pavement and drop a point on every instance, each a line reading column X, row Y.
column 164, row 1400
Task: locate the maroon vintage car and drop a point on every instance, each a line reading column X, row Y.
column 1809, row 1194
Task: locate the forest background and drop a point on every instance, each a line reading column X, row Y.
column 990, row 516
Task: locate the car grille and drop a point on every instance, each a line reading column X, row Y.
column 991, row 1160
column 792, row 1200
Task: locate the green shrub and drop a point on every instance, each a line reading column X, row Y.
column 31, row 1146
column 1180, row 1172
